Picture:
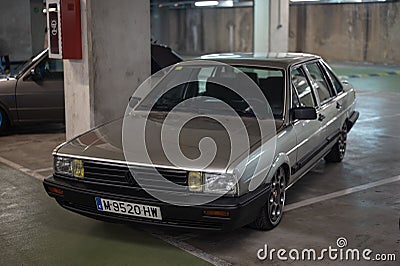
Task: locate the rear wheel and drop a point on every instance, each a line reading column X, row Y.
column 339, row 149
column 272, row 211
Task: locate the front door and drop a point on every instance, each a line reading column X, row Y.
column 40, row 92
column 309, row 132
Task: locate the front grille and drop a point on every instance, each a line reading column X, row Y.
column 118, row 174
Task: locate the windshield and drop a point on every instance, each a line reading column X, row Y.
column 23, row 67
column 19, row 69
column 205, row 80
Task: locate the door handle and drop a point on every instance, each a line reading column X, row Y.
column 338, row 105
column 321, row 117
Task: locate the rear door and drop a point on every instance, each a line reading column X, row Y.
column 309, row 132
column 41, row 99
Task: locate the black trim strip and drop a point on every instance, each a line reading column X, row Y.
column 309, row 156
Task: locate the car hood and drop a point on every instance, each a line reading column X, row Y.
column 5, row 78
column 105, row 142
column 7, row 85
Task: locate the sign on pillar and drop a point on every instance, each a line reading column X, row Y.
column 64, row 29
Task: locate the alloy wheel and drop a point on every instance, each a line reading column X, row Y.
column 342, row 141
column 276, row 199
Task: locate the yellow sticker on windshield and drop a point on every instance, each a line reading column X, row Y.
column 178, row 68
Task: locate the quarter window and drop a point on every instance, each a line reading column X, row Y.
column 318, row 81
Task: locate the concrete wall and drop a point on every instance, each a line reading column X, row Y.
column 22, row 28
column 347, row 32
column 341, row 32
column 15, row 28
column 38, row 26
column 205, row 30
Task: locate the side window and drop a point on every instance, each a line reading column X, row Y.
column 319, row 82
column 335, row 81
column 303, row 88
column 50, row 69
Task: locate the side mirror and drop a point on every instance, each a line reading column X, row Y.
column 304, row 113
column 34, row 75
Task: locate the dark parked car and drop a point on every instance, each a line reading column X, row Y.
column 312, row 113
column 35, row 94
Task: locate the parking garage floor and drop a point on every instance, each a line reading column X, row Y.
column 357, row 200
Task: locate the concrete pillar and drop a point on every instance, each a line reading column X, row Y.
column 271, row 26
column 115, row 61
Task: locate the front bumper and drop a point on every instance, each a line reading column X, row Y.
column 80, row 198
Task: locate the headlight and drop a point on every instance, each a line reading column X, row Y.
column 212, row 183
column 69, row 167
column 220, row 183
column 63, row 166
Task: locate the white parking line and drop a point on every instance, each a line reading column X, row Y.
column 22, row 168
column 43, row 170
column 341, row 193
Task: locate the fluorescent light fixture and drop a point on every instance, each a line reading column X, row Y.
column 228, row 3
column 206, row 3
column 224, row 55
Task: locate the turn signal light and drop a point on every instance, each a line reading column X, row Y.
column 216, row 213
column 56, row 190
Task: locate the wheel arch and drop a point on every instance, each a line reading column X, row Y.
column 281, row 160
column 7, row 114
column 347, row 122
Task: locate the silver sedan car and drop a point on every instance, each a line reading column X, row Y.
column 105, row 175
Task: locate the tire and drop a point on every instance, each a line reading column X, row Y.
column 3, row 122
column 272, row 212
column 338, row 151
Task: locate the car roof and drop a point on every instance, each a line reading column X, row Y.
column 280, row 60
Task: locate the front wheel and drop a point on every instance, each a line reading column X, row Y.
column 272, row 211
column 3, row 121
column 336, row 155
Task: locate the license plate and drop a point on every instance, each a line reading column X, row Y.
column 128, row 208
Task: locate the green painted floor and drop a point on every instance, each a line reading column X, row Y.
column 369, row 83
column 34, row 230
